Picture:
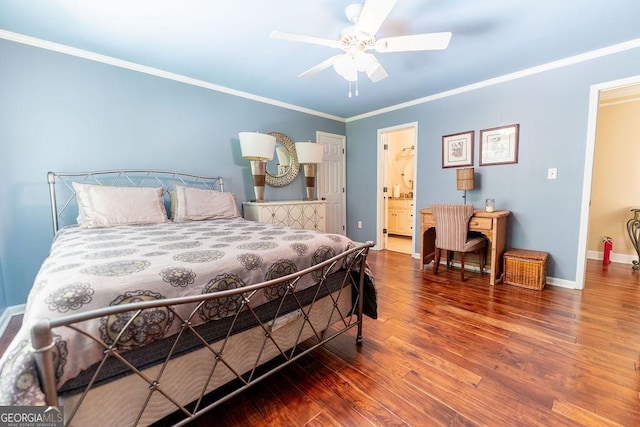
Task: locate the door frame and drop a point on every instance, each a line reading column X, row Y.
column 381, row 205
column 594, row 97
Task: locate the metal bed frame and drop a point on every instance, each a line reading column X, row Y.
column 60, row 187
column 314, row 331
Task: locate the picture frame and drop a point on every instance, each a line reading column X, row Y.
column 499, row 145
column 457, row 149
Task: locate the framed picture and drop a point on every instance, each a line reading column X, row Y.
column 457, row 150
column 499, row 146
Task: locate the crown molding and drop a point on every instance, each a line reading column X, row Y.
column 92, row 56
column 610, row 50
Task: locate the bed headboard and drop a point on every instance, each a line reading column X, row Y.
column 64, row 206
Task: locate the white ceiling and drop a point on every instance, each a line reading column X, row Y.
column 227, row 43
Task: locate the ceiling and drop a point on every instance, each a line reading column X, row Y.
column 227, row 43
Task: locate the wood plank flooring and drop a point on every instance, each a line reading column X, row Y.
column 445, row 353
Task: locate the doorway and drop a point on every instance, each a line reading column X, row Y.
column 595, row 93
column 397, row 148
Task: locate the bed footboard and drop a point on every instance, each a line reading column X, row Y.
column 334, row 306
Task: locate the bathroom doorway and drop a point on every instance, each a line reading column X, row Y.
column 396, row 184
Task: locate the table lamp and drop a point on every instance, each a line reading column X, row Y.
column 465, row 181
column 257, row 147
column 309, row 155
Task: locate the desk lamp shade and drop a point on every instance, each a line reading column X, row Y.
column 309, row 155
column 257, row 147
column 465, row 181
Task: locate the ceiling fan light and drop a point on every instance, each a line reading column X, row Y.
column 346, row 67
column 353, row 12
column 366, row 62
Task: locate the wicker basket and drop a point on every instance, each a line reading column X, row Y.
column 525, row 268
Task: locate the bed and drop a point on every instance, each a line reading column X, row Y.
column 159, row 300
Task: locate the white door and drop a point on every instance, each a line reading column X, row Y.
column 332, row 181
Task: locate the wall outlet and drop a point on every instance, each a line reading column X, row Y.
column 359, row 224
column 552, row 173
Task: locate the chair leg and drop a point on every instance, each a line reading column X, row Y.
column 436, row 261
column 462, row 266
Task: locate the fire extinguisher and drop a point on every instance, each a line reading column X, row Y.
column 608, row 247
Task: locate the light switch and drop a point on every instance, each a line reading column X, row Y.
column 552, row 173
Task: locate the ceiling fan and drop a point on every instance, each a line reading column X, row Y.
column 360, row 37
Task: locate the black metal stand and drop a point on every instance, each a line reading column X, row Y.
column 633, row 227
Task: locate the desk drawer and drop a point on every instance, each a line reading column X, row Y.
column 480, row 223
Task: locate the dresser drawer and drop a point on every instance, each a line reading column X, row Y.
column 480, row 223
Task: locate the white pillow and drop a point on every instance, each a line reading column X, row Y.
column 106, row 206
column 194, row 204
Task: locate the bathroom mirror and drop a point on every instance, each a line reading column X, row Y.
column 283, row 168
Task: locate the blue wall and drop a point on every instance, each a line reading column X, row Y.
column 552, row 110
column 63, row 113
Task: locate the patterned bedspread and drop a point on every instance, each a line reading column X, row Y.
column 93, row 268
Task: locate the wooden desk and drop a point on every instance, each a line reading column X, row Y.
column 493, row 225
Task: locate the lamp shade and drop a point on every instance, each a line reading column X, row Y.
column 257, row 146
column 464, row 179
column 309, row 152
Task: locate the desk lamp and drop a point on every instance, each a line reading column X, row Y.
column 465, row 181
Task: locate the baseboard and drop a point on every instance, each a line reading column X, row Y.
column 621, row 258
column 562, row 283
column 8, row 314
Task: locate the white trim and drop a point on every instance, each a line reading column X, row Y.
column 8, row 314
column 594, row 93
column 620, row 47
column 92, row 56
column 562, row 283
column 614, row 257
column 621, row 101
column 44, row 44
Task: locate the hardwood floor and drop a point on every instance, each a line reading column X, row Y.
column 443, row 353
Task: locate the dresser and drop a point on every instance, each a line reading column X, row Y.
column 303, row 214
column 493, row 225
column 400, row 213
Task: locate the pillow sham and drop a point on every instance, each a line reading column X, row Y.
column 195, row 204
column 106, row 206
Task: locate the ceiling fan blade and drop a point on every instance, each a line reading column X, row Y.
column 374, row 12
column 305, row 39
column 430, row 41
column 320, row 67
column 377, row 74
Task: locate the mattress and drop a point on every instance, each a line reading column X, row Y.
column 92, row 268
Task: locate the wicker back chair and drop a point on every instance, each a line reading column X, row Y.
column 452, row 235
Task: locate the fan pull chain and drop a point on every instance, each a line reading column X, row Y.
column 350, row 88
